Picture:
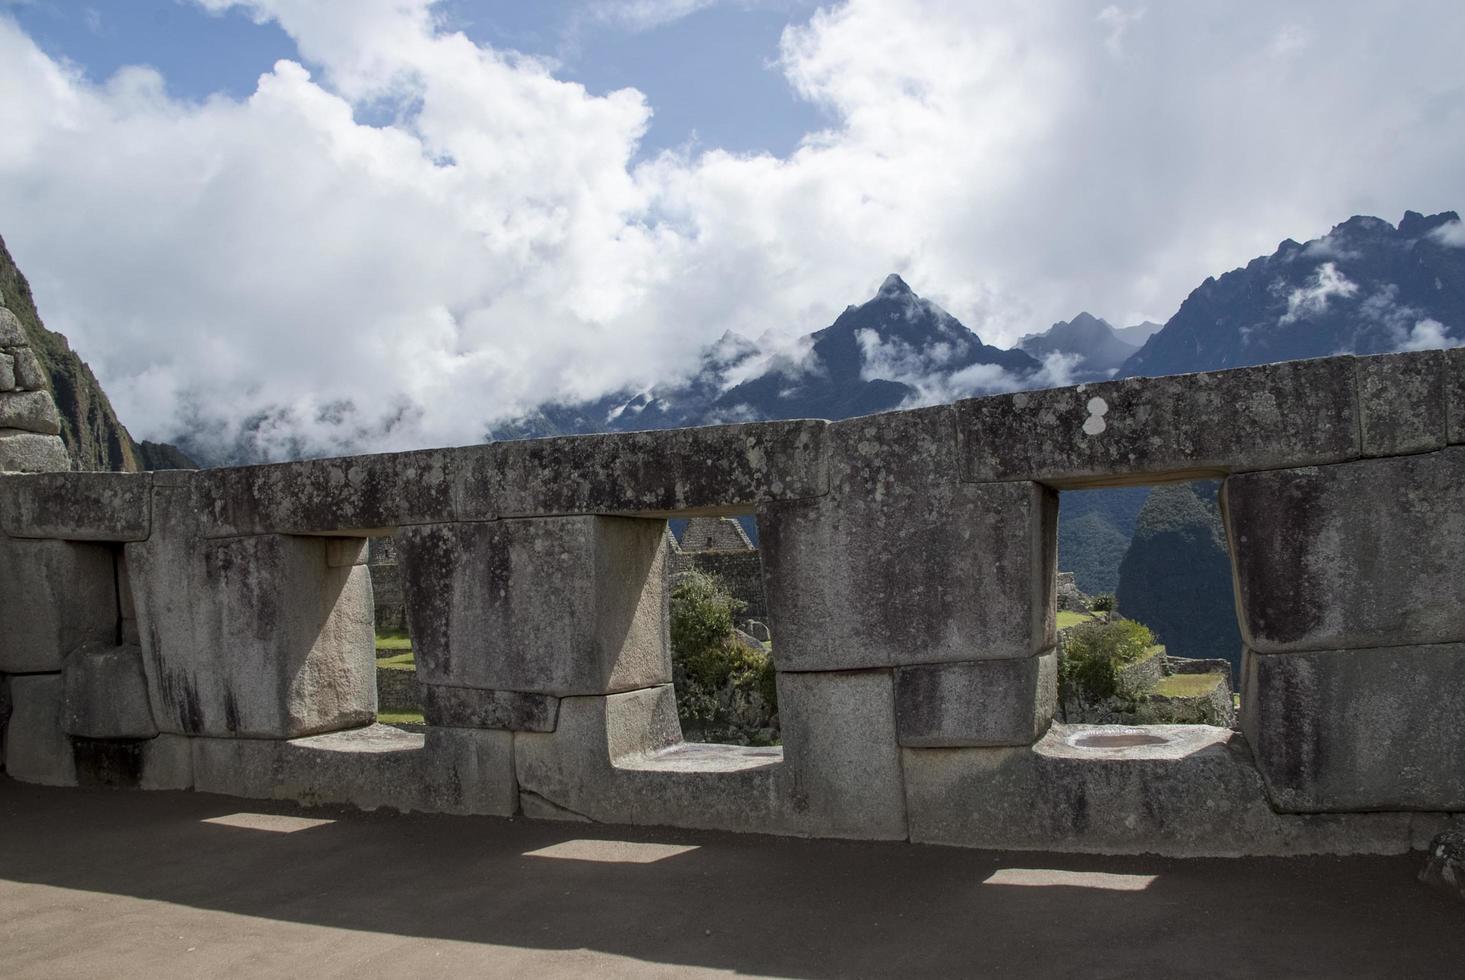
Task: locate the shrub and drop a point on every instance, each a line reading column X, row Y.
column 1094, row 658
column 725, row 688
column 1102, row 603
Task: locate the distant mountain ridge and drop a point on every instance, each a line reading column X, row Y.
column 1096, row 345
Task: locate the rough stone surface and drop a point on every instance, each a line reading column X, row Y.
column 722, row 469
column 842, row 755
column 1194, row 794
column 345, row 552
column 620, row 759
column 250, row 636
column 76, row 506
column 29, row 375
column 1359, row 729
column 33, row 411
column 1137, row 430
column 397, row 689
column 54, row 596
column 900, row 563
column 1401, row 402
column 1445, row 869
column 562, row 605
column 468, row 707
column 106, row 693
column 983, row 702
column 29, row 452
column 1455, row 395
column 446, row 771
column 36, row 749
column 12, row 334
column 1362, row 554
column 7, row 372
column 357, row 494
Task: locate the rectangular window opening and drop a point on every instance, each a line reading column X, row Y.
column 1153, row 558
column 721, row 645
column 399, row 702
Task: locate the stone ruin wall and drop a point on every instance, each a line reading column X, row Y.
column 30, row 426
column 719, row 547
column 214, row 630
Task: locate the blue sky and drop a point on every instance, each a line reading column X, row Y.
column 711, row 75
column 382, row 226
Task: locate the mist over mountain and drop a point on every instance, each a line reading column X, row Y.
column 1095, row 345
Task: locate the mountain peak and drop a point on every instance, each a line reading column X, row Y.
column 894, row 285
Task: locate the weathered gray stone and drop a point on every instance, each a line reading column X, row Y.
column 469, row 707
column 1359, row 729
column 250, row 636
column 446, row 771
column 558, row 605
column 1192, row 793
column 36, row 749
column 1401, row 402
column 902, row 564
column 54, row 596
column 1362, row 554
column 1137, row 430
column 12, row 334
column 841, row 753
column 7, row 372
column 29, row 375
column 982, row 702
column 106, row 693
column 76, row 506
column 161, row 762
column 723, row 469
column 28, row 452
column 620, row 759
column 1455, row 395
column 345, row 552
column 361, row 495
column 31, row 411
column 1445, row 869
column 167, row 763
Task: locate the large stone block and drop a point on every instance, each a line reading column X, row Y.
column 620, row 759
column 12, row 334
column 1455, row 395
column 842, row 756
column 1179, row 790
column 36, row 749
column 29, row 375
column 470, row 707
column 29, row 452
column 900, row 563
column 162, row 762
column 446, row 771
column 106, row 693
column 1362, row 554
column 251, row 636
column 7, row 372
column 54, row 596
column 76, row 506
column 361, row 495
column 32, row 411
column 559, row 605
column 1359, row 729
column 724, row 469
column 1142, row 429
column 1401, row 402
column 983, row 702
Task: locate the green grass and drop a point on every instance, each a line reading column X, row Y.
column 1067, row 618
column 398, row 661
column 393, row 640
column 400, row 718
column 1187, row 685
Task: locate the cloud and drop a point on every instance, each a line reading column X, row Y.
column 643, row 15
column 276, row 268
column 1452, row 234
column 1429, row 334
column 1118, row 22
column 1311, row 299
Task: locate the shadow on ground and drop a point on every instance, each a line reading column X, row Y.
column 363, row 894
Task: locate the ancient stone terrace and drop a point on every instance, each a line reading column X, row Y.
column 213, row 629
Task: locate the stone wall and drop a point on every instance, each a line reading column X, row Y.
column 216, row 627
column 718, row 546
column 30, row 426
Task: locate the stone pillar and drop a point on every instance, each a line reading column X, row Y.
column 508, row 617
column 1352, row 609
column 30, row 427
column 253, row 636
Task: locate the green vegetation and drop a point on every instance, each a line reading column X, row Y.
column 725, row 689
column 393, row 640
column 398, row 661
column 1104, row 602
column 1067, row 618
column 1176, row 576
column 1094, row 528
column 1094, row 658
column 1187, row 685
column 400, row 718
